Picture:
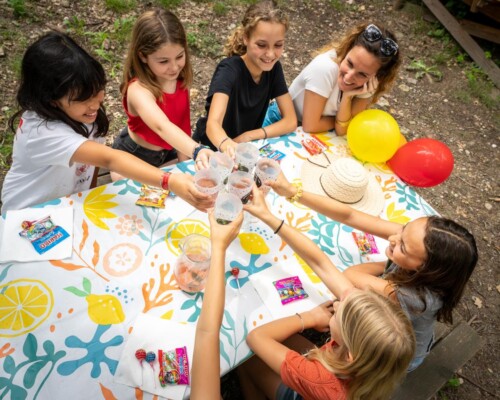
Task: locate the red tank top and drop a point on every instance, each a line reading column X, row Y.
column 176, row 108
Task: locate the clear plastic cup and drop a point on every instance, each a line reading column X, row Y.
column 221, row 163
column 246, row 157
column 227, row 208
column 266, row 170
column 240, row 183
column 208, row 181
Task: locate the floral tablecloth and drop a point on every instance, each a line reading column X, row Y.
column 63, row 324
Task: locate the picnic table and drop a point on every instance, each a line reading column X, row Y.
column 65, row 324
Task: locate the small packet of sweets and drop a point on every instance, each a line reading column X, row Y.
column 152, row 197
column 174, row 367
column 290, row 289
column 43, row 234
column 313, row 145
column 268, row 152
column 366, row 243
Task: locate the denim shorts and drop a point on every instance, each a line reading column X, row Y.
column 157, row 158
column 285, row 393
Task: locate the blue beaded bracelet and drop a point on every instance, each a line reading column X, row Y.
column 197, row 150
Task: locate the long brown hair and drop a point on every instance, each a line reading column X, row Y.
column 266, row 11
column 151, row 31
column 451, row 258
column 389, row 65
column 379, row 344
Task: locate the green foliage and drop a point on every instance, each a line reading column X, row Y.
column 122, row 29
column 169, row 3
column 120, row 5
column 18, row 6
column 431, row 72
column 202, row 40
column 481, row 87
column 220, row 8
column 75, row 25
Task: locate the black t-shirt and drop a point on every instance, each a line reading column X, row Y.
column 248, row 101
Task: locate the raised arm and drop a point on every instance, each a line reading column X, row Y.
column 205, row 382
column 127, row 165
column 142, row 102
column 337, row 211
column 215, row 132
column 287, row 123
column 302, row 245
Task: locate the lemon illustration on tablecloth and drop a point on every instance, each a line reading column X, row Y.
column 177, row 231
column 253, row 243
column 103, row 309
column 24, row 305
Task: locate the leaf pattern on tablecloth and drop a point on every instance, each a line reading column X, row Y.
column 96, row 353
column 408, row 196
column 397, row 216
column 32, row 366
column 193, row 303
column 228, row 330
column 156, row 221
column 129, row 186
column 286, row 140
column 96, row 206
column 247, row 270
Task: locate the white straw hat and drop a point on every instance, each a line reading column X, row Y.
column 345, row 180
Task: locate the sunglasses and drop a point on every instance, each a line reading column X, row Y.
column 388, row 47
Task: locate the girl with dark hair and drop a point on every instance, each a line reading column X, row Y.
column 245, row 82
column 429, row 262
column 344, row 79
column 59, row 139
column 155, row 87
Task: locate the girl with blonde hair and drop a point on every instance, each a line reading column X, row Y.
column 345, row 78
column 155, row 89
column 372, row 341
column 244, row 83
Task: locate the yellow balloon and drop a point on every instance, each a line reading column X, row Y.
column 373, row 136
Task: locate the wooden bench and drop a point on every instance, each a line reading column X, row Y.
column 452, row 349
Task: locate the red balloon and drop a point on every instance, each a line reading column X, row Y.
column 422, row 162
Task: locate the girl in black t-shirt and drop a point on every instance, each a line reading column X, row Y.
column 244, row 83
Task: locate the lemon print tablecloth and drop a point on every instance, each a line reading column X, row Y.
column 63, row 324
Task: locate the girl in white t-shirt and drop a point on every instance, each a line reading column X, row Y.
column 59, row 138
column 344, row 79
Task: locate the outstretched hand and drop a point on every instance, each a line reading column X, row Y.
column 257, row 205
column 202, row 161
column 224, row 234
column 282, row 186
column 183, row 186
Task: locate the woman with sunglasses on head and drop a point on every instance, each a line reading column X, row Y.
column 344, row 79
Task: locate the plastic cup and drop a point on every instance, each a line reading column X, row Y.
column 266, row 170
column 221, row 163
column 227, row 208
column 246, row 156
column 240, row 183
column 207, row 181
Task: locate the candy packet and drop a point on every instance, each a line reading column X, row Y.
column 43, row 234
column 174, row 367
column 366, row 243
column 290, row 289
column 268, row 152
column 152, row 197
column 313, row 145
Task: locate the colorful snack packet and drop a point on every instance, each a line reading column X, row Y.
column 366, row 243
column 268, row 152
column 43, row 234
column 152, row 197
column 313, row 145
column 174, row 367
column 290, row 289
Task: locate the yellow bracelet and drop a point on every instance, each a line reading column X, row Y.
column 297, row 195
column 343, row 124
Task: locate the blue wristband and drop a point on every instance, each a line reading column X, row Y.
column 197, row 150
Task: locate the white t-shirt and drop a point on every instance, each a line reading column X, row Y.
column 41, row 168
column 320, row 76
